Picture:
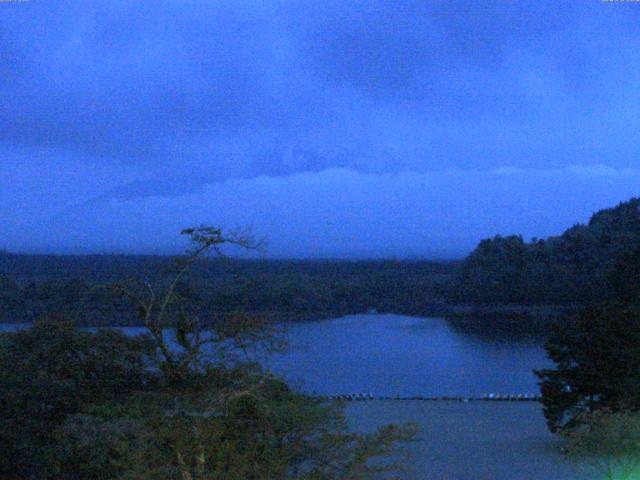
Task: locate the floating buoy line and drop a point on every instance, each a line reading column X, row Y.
column 489, row 397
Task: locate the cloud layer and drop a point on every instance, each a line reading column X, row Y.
column 349, row 109
column 331, row 213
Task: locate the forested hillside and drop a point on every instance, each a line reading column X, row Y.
column 77, row 286
column 573, row 268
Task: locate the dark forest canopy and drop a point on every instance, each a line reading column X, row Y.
column 33, row 285
column 595, row 376
column 107, row 266
column 573, row 268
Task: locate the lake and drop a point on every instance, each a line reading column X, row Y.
column 390, row 355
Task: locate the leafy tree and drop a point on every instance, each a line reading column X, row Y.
column 568, row 269
column 284, row 289
column 54, row 370
column 234, row 420
column 597, row 366
column 192, row 405
column 625, row 279
column 606, row 442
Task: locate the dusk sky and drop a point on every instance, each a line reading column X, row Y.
column 334, row 128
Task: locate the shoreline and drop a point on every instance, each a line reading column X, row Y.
column 459, row 315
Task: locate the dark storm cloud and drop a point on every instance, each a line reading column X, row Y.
column 135, row 79
column 151, row 81
column 124, row 101
column 400, row 48
column 548, row 80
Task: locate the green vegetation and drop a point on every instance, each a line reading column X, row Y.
column 32, row 285
column 592, row 396
column 50, row 374
column 597, row 365
column 76, row 404
column 606, row 442
column 546, row 277
column 596, row 355
column 570, row 269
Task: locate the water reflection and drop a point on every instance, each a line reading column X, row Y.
column 396, row 355
column 503, row 330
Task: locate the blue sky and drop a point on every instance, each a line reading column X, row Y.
column 335, row 128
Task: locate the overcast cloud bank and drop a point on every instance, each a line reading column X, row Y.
column 331, row 213
column 337, row 127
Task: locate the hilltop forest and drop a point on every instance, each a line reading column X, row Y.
column 573, row 268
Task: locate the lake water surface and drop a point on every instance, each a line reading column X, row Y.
column 390, row 355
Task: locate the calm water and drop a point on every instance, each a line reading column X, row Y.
column 394, row 355
column 474, row 441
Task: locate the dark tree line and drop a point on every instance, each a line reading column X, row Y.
column 596, row 355
column 31, row 286
column 573, row 268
